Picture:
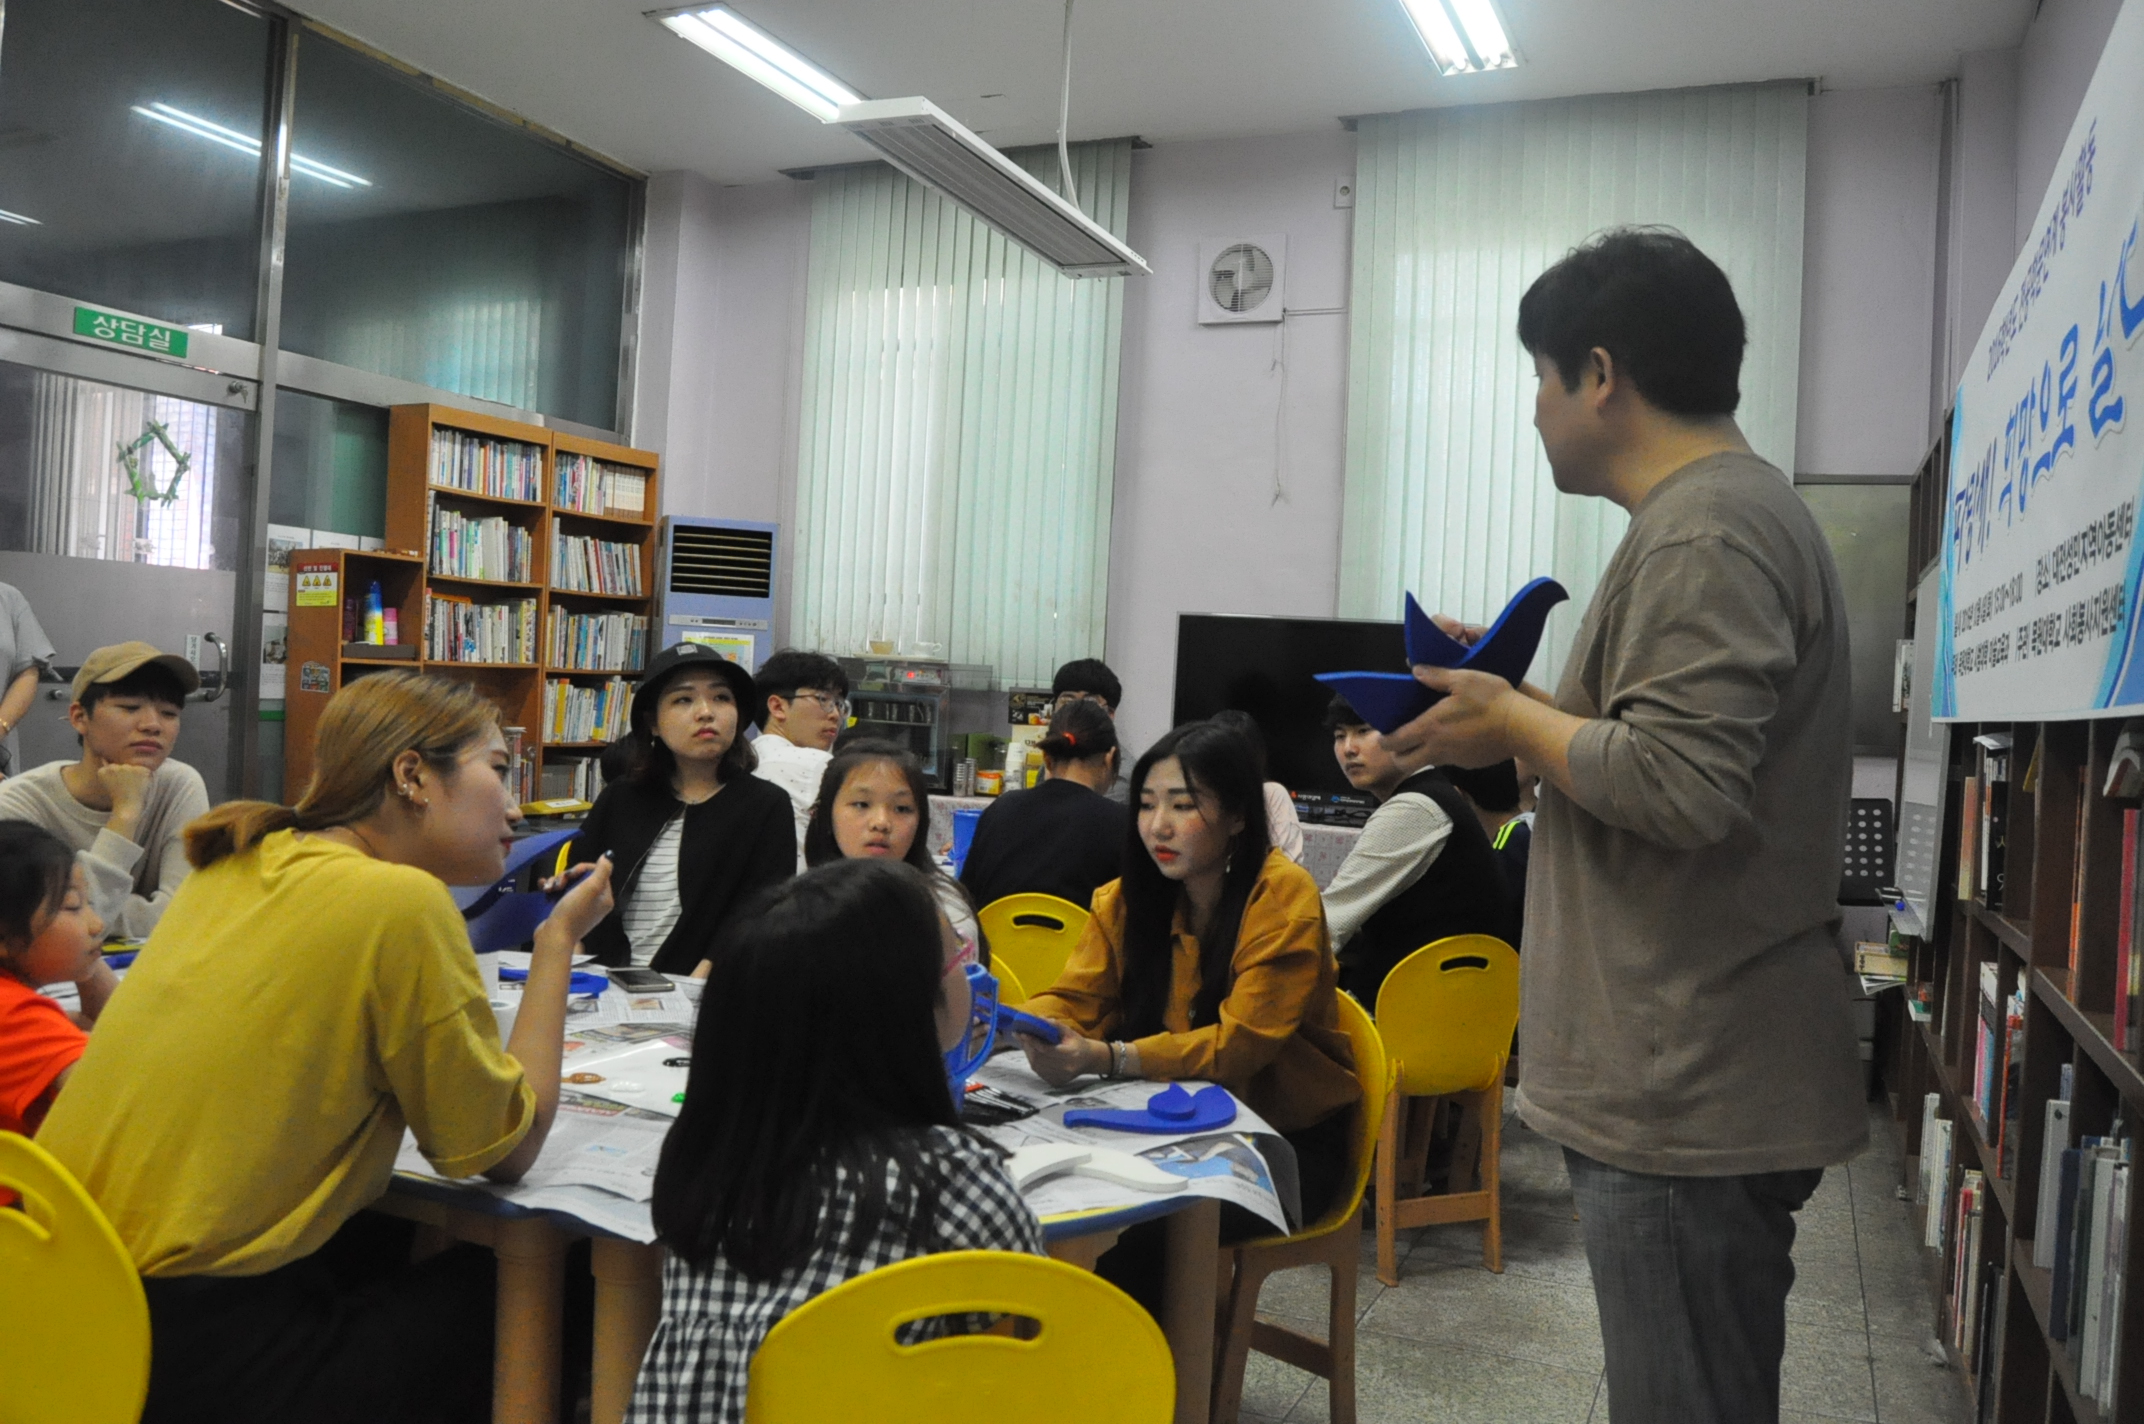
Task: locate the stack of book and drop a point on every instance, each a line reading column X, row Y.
column 586, row 714
column 485, row 548
column 503, row 469
column 1933, row 1189
column 593, row 565
column 597, row 642
column 2090, row 1230
column 572, row 779
column 589, row 486
column 520, row 766
column 461, row 630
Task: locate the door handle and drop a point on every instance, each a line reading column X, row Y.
column 223, row 667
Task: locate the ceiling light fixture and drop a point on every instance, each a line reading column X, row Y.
column 935, row 149
column 923, row 141
column 18, row 219
column 246, row 144
column 752, row 52
column 1487, row 45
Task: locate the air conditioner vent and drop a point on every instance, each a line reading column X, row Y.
column 732, row 563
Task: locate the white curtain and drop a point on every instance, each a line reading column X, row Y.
column 959, row 427
column 1456, row 212
column 81, row 500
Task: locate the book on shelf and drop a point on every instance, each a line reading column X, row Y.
column 1931, row 1105
column 571, row 778
column 460, row 630
column 2053, row 1144
column 487, row 465
column 596, row 642
column 2099, row 1227
column 1969, row 840
column 1988, row 1041
column 587, row 485
column 585, row 565
column 2128, row 970
column 586, row 714
column 480, row 547
column 1876, row 959
column 520, row 766
column 1994, row 832
column 2077, row 864
column 2011, row 1092
column 1936, row 1162
column 1965, row 1264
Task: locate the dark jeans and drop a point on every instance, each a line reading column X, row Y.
column 1692, row 1275
column 352, row 1333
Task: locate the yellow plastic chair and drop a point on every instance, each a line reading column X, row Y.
column 1333, row 1241
column 1034, row 934
column 836, row 1356
column 1447, row 1013
column 75, row 1347
column 1010, row 993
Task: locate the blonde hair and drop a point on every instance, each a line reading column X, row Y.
column 366, row 726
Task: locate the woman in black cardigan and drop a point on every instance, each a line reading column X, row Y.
column 690, row 831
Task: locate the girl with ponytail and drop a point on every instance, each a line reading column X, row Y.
column 1064, row 837
column 310, row 994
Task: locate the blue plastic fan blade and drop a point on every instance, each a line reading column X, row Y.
column 1390, row 700
column 1206, row 1110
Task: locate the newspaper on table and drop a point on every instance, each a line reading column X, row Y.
column 598, row 1166
column 1226, row 1166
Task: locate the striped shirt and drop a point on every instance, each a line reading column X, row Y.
column 652, row 906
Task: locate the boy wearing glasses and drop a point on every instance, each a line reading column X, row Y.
column 807, row 706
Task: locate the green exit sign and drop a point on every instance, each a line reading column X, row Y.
column 128, row 331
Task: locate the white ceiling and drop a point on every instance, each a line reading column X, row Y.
column 602, row 74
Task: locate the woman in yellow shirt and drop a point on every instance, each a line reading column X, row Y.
column 1208, row 959
column 309, row 994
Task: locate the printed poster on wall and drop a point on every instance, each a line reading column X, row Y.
column 2041, row 554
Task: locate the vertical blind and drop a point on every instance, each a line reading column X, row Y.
column 1456, row 212
column 959, row 423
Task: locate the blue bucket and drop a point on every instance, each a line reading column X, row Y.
column 964, row 819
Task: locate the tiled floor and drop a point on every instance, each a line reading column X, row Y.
column 1453, row 1344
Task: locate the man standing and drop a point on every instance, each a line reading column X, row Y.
column 124, row 804
column 1688, row 1035
column 1420, row 871
column 807, row 706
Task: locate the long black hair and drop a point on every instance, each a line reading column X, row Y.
column 816, row 1053
column 36, row 868
column 1218, row 767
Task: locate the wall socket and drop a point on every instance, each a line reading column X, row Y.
column 1343, row 192
column 193, row 649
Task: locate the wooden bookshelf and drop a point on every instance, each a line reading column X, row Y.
column 2061, row 851
column 406, row 575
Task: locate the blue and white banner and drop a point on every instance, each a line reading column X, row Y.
column 2041, row 549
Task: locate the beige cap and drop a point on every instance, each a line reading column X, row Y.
column 120, row 659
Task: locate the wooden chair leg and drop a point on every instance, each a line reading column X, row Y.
column 1492, row 1174
column 1417, row 1132
column 1234, row 1350
column 1340, row 1327
column 1388, row 1151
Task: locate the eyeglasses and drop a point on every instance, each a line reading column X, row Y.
column 1066, row 699
column 839, row 706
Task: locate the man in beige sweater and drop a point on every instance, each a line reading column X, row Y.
column 1685, row 1015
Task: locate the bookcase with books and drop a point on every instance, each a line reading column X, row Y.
column 2018, row 1076
column 518, row 558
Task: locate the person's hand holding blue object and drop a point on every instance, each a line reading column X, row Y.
column 1390, row 700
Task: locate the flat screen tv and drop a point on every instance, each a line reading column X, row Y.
column 1267, row 667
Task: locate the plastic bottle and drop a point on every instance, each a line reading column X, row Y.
column 375, row 616
column 392, row 617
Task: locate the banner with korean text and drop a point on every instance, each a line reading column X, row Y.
column 2041, row 554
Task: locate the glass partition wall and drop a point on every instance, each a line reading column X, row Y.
column 229, row 239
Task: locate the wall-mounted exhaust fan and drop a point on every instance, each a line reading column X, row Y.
column 1241, row 279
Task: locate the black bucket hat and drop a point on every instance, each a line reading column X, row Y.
column 679, row 657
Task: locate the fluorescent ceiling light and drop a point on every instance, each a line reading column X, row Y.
column 1486, row 45
column 752, row 52
column 932, row 147
column 18, row 219
column 246, row 144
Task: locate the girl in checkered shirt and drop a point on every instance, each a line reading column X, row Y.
column 818, row 1139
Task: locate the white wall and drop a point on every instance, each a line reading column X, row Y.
column 2054, row 67
column 722, row 348
column 1868, row 281
column 1201, row 424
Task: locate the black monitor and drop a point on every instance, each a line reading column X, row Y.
column 1267, row 667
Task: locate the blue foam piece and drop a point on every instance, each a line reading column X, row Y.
column 581, row 982
column 1390, row 700
column 1170, row 1110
